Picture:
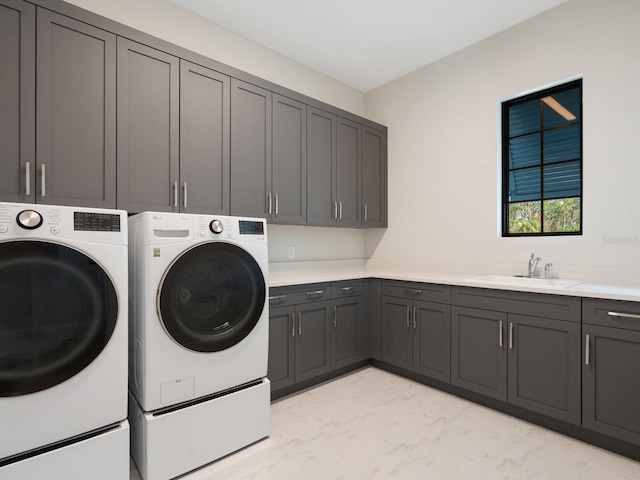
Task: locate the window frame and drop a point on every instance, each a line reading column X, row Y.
column 504, row 161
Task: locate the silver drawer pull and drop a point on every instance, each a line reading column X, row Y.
column 299, row 323
column 293, row 324
column 624, row 315
column 500, row 333
column 270, row 203
column 44, row 180
column 348, row 290
column 277, row 297
column 411, row 291
column 335, row 315
column 587, row 355
column 415, row 321
column 185, row 194
column 317, row 292
column 27, row 178
column 175, row 194
column 408, row 316
column 510, row 335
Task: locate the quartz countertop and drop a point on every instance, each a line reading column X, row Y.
column 297, row 273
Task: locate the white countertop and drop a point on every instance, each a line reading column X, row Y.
column 283, row 274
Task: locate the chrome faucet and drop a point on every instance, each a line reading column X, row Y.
column 533, row 263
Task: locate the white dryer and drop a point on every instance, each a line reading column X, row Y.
column 198, row 340
column 198, row 305
column 63, row 342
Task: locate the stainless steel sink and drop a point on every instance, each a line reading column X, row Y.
column 521, row 281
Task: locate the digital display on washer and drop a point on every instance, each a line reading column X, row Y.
column 96, row 222
column 251, row 228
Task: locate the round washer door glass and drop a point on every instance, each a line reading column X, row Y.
column 211, row 297
column 58, row 309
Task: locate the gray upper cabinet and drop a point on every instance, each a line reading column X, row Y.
column 76, row 116
column 204, row 140
column 72, row 158
column 321, row 167
column 348, row 182
column 148, row 128
column 374, row 178
column 17, row 101
column 288, row 193
column 250, row 150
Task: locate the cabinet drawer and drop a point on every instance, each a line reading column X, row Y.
column 297, row 294
column 346, row 288
column 557, row 307
column 429, row 292
column 611, row 313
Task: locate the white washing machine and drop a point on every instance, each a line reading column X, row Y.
column 63, row 342
column 199, row 338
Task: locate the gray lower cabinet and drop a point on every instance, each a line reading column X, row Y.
column 205, row 121
column 374, row 178
column 524, row 350
column 251, row 108
column 288, row 192
column 314, row 329
column 610, row 360
column 416, row 333
column 299, row 334
column 61, row 150
column 348, row 316
column 148, row 129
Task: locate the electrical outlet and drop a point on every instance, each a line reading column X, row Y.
column 291, row 253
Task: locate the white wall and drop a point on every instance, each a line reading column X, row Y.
column 165, row 20
column 444, row 157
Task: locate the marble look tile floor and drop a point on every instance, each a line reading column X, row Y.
column 375, row 425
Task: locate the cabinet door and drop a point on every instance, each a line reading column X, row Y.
column 610, row 382
column 204, row 140
column 348, row 184
column 432, row 340
column 397, row 332
column 76, row 116
column 374, row 178
column 321, row 167
column 250, row 150
column 148, row 128
column 346, row 322
column 478, row 351
column 544, row 366
column 289, row 172
column 281, row 347
column 312, row 340
column 17, row 101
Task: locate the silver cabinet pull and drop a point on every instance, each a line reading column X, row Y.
column 335, row 315
column 412, row 291
column 408, row 316
column 348, row 290
column 624, row 315
column 44, row 180
column 185, row 194
column 510, row 335
column 415, row 321
column 27, row 178
column 277, row 297
column 316, row 293
column 500, row 333
column 293, row 324
column 365, row 213
column 299, row 323
column 340, row 209
column 175, row 194
column 270, row 203
column 335, row 209
column 587, row 355
column 276, row 204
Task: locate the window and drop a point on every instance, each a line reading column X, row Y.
column 542, row 162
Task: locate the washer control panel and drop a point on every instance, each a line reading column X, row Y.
column 29, row 219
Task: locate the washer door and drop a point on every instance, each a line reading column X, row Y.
column 211, row 297
column 58, row 309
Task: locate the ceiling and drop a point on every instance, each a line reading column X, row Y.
column 366, row 43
